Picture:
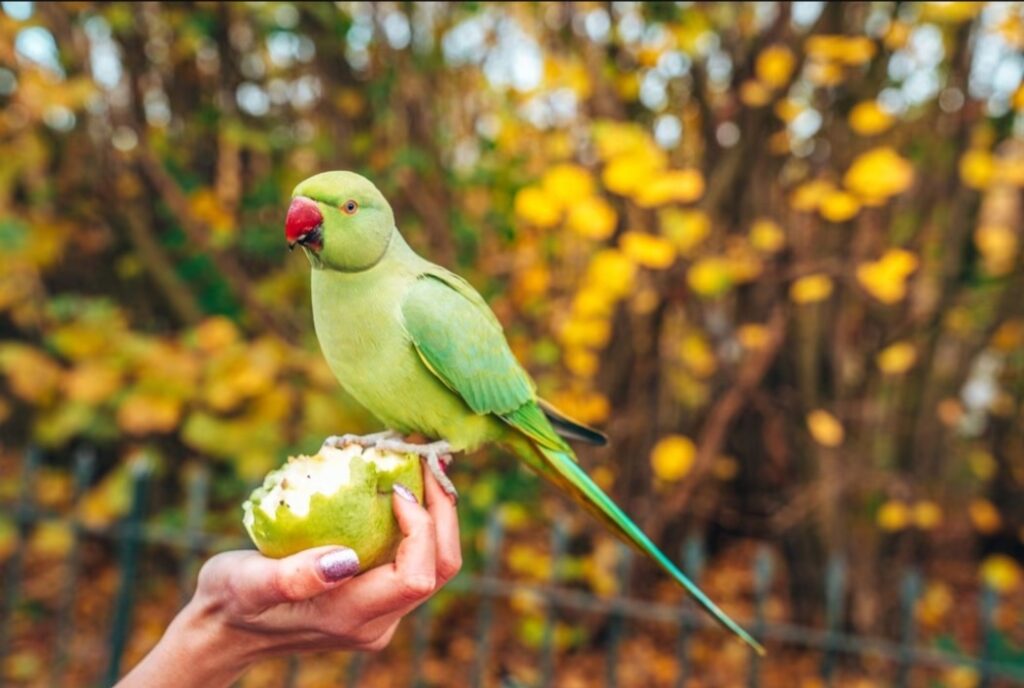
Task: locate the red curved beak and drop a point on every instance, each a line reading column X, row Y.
column 303, row 223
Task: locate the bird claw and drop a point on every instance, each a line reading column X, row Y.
column 438, row 455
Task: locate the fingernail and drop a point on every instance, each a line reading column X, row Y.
column 404, row 492
column 340, row 564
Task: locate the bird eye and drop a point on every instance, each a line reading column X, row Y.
column 350, row 207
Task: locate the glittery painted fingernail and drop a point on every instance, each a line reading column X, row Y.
column 403, row 492
column 339, row 564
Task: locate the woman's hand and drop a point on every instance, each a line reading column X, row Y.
column 248, row 607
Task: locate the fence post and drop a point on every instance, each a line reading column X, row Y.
column 617, row 620
column 835, row 587
column 547, row 663
column 693, row 566
column 197, row 500
column 987, row 606
column 764, row 571
column 910, row 591
column 420, row 639
column 484, row 621
column 23, row 516
column 128, row 558
column 85, row 463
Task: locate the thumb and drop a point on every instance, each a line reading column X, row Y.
column 303, row 575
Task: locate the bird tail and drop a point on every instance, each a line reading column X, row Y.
column 561, row 468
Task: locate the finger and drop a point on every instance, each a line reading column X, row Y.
column 402, row 585
column 264, row 582
column 446, row 525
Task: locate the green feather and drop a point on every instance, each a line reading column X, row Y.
column 561, row 468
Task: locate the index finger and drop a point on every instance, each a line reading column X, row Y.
column 411, row 578
column 446, row 525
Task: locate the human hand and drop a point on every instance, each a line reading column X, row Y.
column 248, row 607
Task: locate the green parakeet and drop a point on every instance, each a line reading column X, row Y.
column 421, row 350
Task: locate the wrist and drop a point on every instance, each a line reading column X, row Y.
column 199, row 649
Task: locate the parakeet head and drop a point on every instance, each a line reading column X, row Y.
column 341, row 219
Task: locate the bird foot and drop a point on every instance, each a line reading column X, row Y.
column 339, row 441
column 438, row 456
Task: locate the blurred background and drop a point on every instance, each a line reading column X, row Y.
column 772, row 249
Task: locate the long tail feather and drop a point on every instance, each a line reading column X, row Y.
column 561, row 468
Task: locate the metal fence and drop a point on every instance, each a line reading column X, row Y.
column 132, row 533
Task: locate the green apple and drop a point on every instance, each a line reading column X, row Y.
column 339, row 496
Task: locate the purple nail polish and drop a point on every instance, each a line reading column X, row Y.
column 340, row 564
column 404, row 492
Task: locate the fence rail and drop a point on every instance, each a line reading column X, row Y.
column 132, row 533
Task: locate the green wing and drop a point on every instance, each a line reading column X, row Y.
column 462, row 343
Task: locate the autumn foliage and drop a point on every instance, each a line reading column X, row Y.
column 772, row 249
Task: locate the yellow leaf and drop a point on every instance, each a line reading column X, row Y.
column 51, row 539
column 788, row 109
column 684, row 228
column 927, row 514
column 811, row 288
column 215, row 334
column 961, row 677
column 710, row 276
column 977, row 168
column 535, row 207
column 581, row 362
column 774, row 66
column 885, row 279
column 767, row 236
column 896, row 35
column 567, row 183
column 878, row 174
column 997, row 245
column 91, row 382
column 867, row 118
column 593, row 333
column 584, row 406
column 893, row 516
column 614, row 139
column 850, row 50
column 1001, row 573
column 697, row 355
column 674, row 186
column 752, row 336
column 1009, row 336
column 532, row 282
column 592, row 217
column 31, row 374
column 839, row 206
column 672, row 457
column 897, row 358
column 808, row 196
column 651, row 251
column 950, row 12
column 612, row 272
column 984, row 516
column 936, row 602
column 592, row 302
column 825, row 428
column 627, row 174
column 754, row 94
column 744, row 263
column 143, row 412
